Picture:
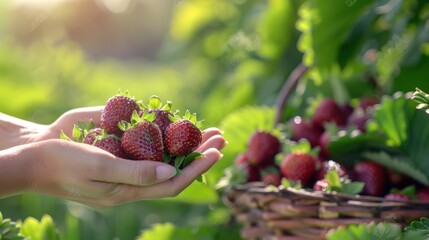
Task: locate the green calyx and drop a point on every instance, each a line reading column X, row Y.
column 136, row 119
column 155, row 103
column 125, row 94
column 80, row 130
column 191, row 117
column 338, row 184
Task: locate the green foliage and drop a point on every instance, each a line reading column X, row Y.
column 9, row 230
column 238, row 127
column 169, row 231
column 418, row 229
column 324, row 26
column 380, row 231
column 335, row 183
column 406, row 130
column 40, row 230
column 422, row 99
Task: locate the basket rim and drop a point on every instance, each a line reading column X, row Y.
column 261, row 188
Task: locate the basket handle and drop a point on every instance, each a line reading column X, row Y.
column 287, row 88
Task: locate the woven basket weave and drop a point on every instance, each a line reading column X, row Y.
column 299, row 214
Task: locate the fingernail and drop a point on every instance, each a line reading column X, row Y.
column 164, row 172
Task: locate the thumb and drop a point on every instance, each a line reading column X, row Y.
column 138, row 173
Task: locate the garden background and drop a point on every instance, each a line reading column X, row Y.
column 213, row 57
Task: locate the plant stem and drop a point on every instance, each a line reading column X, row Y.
column 290, row 84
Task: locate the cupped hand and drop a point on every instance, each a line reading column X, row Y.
column 91, row 176
column 15, row 131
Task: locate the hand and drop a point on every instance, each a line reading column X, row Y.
column 15, row 131
column 89, row 175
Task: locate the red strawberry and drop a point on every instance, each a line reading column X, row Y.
column 347, row 110
column 108, row 142
column 328, row 111
column 423, row 194
column 324, row 141
column 162, row 119
column 91, row 136
column 359, row 118
column 330, row 165
column 118, row 108
column 182, row 137
column 372, row 175
column 302, row 129
column 253, row 173
column 367, row 102
column 272, row 179
column 262, row 147
column 397, row 196
column 298, row 167
column 143, row 142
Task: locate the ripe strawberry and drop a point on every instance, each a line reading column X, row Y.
column 324, row 141
column 302, row 129
column 108, row 142
column 298, row 167
column 262, row 147
column 423, row 194
column 253, row 173
column 328, row 111
column 182, row 137
column 162, row 112
column 143, row 141
column 372, row 175
column 330, row 165
column 397, row 196
column 367, row 102
column 359, row 118
column 272, row 179
column 118, row 108
column 347, row 110
column 162, row 119
column 91, row 136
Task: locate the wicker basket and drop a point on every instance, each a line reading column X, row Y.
column 299, row 214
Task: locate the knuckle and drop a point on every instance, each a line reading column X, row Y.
column 143, row 175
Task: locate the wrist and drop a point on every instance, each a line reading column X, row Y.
column 16, row 170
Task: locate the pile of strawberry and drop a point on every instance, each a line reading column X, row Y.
column 133, row 130
column 268, row 158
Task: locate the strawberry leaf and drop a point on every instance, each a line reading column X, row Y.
column 286, row 183
column 149, row 117
column 64, row 136
column 179, row 161
column 353, row 188
column 77, row 133
column 334, row 182
column 399, row 164
column 154, row 102
column 418, row 229
column 380, row 231
column 190, row 158
column 232, row 175
column 202, row 179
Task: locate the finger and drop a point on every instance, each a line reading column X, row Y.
column 175, row 185
column 68, row 119
column 215, row 141
column 210, row 132
column 138, row 173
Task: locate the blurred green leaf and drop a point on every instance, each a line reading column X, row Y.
column 324, row 26
column 380, row 231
